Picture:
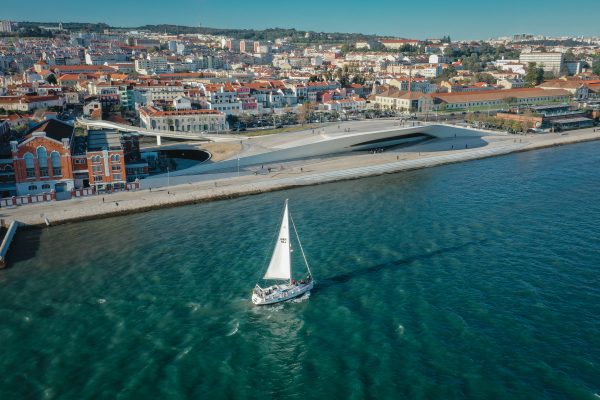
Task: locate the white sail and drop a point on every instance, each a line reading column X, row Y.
column 280, row 266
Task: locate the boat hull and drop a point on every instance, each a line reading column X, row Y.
column 280, row 293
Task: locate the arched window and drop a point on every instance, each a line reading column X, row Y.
column 42, row 156
column 112, row 158
column 29, row 165
column 56, row 167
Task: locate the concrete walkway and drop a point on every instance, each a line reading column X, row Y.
column 298, row 173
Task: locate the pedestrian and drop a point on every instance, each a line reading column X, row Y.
column 397, row 157
column 103, row 199
column 117, row 204
column 301, row 169
column 466, row 145
column 150, row 189
column 452, row 147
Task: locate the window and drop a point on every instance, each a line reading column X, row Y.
column 45, row 186
column 97, row 169
column 29, row 165
column 115, row 158
column 98, row 178
column 32, row 187
column 95, row 159
column 116, row 167
column 116, row 177
column 56, row 167
column 42, row 156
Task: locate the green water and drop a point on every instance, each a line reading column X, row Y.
column 478, row 280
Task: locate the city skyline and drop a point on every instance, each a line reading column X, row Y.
column 463, row 21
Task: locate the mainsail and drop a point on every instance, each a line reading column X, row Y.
column 280, row 266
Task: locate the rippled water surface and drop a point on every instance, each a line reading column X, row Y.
column 475, row 280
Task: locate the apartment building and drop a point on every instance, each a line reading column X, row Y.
column 151, row 64
column 29, row 103
column 152, row 118
column 222, row 98
column 5, row 26
column 550, row 62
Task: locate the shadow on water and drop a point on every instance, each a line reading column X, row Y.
column 343, row 278
column 25, row 245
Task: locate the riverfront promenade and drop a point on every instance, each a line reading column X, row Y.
column 291, row 174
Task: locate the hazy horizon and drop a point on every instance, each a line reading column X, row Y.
column 462, row 20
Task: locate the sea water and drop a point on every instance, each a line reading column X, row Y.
column 466, row 281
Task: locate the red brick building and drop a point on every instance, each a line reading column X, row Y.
column 105, row 161
column 42, row 160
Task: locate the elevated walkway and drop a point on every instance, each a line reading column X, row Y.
column 202, row 137
column 320, row 145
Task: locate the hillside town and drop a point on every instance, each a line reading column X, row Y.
column 53, row 76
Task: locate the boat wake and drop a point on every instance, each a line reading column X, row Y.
column 235, row 326
column 193, row 306
column 183, row 353
column 302, row 298
column 401, row 330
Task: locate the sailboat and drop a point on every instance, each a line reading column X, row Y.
column 280, row 269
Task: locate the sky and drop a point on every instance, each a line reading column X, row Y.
column 461, row 19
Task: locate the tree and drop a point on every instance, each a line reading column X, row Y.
column 596, row 67
column 472, row 63
column 247, row 119
column 51, row 79
column 487, row 78
column 539, row 75
column 534, row 75
column 303, row 111
column 231, row 120
column 447, row 74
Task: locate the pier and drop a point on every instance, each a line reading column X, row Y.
column 9, row 234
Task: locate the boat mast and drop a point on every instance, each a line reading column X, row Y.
column 300, row 245
column 290, row 242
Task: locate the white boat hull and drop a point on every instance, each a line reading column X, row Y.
column 278, row 293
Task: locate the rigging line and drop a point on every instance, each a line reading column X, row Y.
column 300, row 244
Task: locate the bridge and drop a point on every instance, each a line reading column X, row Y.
column 202, row 137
